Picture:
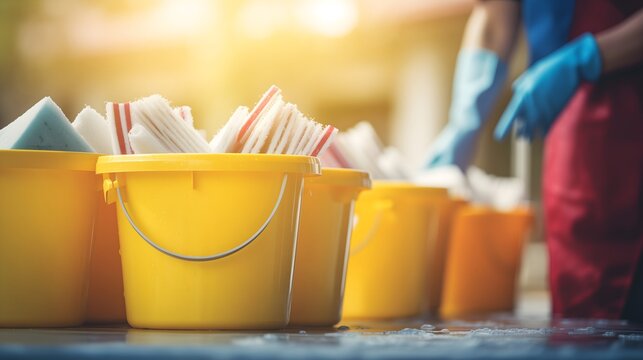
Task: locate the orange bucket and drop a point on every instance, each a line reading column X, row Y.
column 483, row 259
column 438, row 247
column 105, row 298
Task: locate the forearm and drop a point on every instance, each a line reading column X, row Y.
column 493, row 26
column 622, row 45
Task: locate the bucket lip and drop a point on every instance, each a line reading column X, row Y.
column 342, row 177
column 305, row 165
column 402, row 188
column 47, row 159
column 521, row 210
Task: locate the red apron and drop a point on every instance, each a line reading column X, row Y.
column 593, row 184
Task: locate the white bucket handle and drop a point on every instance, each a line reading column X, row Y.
column 206, row 257
column 383, row 208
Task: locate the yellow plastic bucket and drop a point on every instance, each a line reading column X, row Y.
column 207, row 240
column 438, row 246
column 387, row 269
column 322, row 246
column 47, row 213
column 105, row 299
column 483, row 261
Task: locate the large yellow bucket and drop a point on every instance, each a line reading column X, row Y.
column 207, row 240
column 387, row 269
column 483, row 261
column 105, row 300
column 322, row 246
column 46, row 218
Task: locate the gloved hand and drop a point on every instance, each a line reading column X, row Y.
column 478, row 80
column 542, row 92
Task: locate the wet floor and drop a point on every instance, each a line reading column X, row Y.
column 498, row 336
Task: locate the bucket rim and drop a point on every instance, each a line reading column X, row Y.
column 520, row 211
column 47, row 159
column 305, row 165
column 407, row 189
column 342, row 177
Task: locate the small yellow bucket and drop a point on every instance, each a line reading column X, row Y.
column 47, row 213
column 438, row 246
column 207, row 240
column 105, row 300
column 388, row 265
column 483, row 261
column 322, row 246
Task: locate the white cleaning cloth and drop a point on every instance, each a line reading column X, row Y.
column 476, row 186
column 143, row 142
column 226, row 139
column 93, row 127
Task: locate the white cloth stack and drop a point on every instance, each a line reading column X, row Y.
column 157, row 128
column 273, row 127
column 93, row 127
column 361, row 148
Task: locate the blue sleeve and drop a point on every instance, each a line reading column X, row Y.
column 547, row 25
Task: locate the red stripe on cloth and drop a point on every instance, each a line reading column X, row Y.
column 256, row 111
column 128, row 117
column 117, row 127
column 128, row 123
column 319, row 146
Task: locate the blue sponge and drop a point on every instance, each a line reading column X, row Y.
column 43, row 127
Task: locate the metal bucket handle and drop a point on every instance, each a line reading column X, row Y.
column 206, row 257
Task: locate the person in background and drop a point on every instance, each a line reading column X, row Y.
column 583, row 92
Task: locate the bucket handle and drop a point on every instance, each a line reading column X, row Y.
column 206, row 257
column 382, row 208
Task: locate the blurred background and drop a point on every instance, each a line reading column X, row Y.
column 341, row 61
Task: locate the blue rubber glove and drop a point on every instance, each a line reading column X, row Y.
column 479, row 77
column 542, row 92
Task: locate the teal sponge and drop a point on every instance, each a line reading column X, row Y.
column 43, row 127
